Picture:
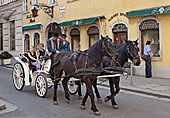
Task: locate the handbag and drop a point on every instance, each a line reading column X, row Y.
column 144, row 57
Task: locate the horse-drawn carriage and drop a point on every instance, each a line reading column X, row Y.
column 26, row 74
column 86, row 65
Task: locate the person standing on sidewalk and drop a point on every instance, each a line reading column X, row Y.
column 148, row 52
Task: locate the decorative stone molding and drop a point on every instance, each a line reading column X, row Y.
column 119, row 21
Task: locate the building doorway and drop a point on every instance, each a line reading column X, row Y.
column 53, row 27
column 93, row 33
column 120, row 34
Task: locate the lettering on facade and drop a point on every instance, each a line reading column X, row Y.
column 113, row 16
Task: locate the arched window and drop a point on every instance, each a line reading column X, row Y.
column 150, row 32
column 93, row 33
column 36, row 40
column 75, row 39
column 26, row 42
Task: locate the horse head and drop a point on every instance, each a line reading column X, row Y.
column 108, row 47
column 133, row 51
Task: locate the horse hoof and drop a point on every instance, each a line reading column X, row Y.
column 55, row 103
column 115, row 106
column 67, row 101
column 83, row 107
column 106, row 99
column 99, row 99
column 80, row 97
column 97, row 113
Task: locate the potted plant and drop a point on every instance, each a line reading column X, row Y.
column 5, row 58
column 128, row 67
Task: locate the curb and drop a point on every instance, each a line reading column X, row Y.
column 141, row 92
column 2, row 106
column 6, row 66
column 9, row 107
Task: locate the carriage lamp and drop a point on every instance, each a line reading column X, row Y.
column 34, row 12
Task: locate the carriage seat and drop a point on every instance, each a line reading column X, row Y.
column 31, row 67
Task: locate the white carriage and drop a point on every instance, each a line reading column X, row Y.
column 24, row 74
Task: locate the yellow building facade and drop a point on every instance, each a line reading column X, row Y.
column 83, row 21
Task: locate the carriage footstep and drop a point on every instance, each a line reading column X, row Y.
column 55, row 102
column 80, row 97
column 97, row 113
column 106, row 99
column 83, row 107
column 99, row 99
column 116, row 106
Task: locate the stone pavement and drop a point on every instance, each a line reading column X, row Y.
column 159, row 87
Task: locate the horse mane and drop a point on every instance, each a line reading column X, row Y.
column 94, row 52
column 121, row 47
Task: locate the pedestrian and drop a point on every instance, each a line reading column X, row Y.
column 33, row 58
column 64, row 44
column 148, row 52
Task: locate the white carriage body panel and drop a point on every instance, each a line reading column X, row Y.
column 26, row 70
column 47, row 65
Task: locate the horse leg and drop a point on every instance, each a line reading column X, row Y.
column 56, row 81
column 67, row 96
column 114, row 104
column 90, row 92
column 55, row 92
column 84, row 100
column 116, row 82
column 78, row 83
column 109, row 97
column 96, row 91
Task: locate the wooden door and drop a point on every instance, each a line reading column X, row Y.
column 119, row 38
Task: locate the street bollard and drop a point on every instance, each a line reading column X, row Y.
column 131, row 74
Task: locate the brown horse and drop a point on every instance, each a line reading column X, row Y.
column 86, row 59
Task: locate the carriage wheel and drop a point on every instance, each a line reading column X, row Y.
column 18, row 76
column 41, row 86
column 72, row 87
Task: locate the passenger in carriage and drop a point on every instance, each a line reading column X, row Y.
column 41, row 51
column 33, row 57
column 64, row 44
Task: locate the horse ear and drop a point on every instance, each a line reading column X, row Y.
column 137, row 40
column 107, row 36
column 102, row 37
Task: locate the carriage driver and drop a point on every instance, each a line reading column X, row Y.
column 52, row 46
column 52, row 43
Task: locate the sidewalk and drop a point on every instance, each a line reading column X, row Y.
column 159, row 87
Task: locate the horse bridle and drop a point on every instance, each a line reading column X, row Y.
column 106, row 49
column 134, row 57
